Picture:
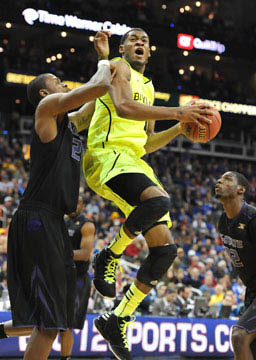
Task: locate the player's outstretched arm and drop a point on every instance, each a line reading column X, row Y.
column 53, row 105
column 158, row 140
column 59, row 103
column 97, row 86
column 122, row 97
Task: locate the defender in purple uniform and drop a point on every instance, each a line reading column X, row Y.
column 237, row 227
column 41, row 270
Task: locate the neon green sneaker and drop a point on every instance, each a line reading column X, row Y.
column 105, row 263
column 113, row 330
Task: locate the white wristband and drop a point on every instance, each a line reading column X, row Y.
column 103, row 62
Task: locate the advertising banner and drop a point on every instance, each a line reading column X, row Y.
column 147, row 336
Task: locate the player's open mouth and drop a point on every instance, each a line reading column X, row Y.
column 139, row 51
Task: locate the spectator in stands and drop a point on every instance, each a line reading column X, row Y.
column 208, row 284
column 184, row 301
column 20, row 172
column 166, row 306
column 92, row 207
column 161, row 289
column 3, row 269
column 183, row 261
column 199, row 224
column 191, row 253
column 158, row 291
column 202, row 269
column 8, row 165
column 221, row 269
column 5, row 182
column 195, row 261
column 132, row 251
column 203, row 253
column 4, row 296
column 239, row 289
column 180, row 274
column 8, row 207
column 170, row 278
column 218, row 296
column 210, row 264
column 212, row 254
column 225, row 281
column 193, row 277
column 22, row 186
column 2, row 252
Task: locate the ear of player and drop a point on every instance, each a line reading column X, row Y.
column 206, row 133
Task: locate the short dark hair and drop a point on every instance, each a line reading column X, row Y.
column 124, row 37
column 171, row 290
column 34, row 87
column 241, row 180
column 181, row 289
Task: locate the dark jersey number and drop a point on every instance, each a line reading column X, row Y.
column 233, row 254
column 76, row 149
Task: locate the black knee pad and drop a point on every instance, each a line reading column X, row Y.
column 156, row 264
column 147, row 213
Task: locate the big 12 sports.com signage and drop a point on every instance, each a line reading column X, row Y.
column 149, row 336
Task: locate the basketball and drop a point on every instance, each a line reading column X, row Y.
column 203, row 135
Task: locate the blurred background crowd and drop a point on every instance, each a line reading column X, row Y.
column 201, row 281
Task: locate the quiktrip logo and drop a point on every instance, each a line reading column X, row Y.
column 185, row 41
column 71, row 21
column 189, row 42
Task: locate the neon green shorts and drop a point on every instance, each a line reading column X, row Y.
column 101, row 165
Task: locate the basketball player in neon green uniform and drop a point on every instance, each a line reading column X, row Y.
column 120, row 133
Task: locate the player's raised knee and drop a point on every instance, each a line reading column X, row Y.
column 159, row 260
column 149, row 212
column 160, row 205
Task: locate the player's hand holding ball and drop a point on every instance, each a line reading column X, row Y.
column 206, row 127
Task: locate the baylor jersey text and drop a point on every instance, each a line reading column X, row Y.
column 108, row 130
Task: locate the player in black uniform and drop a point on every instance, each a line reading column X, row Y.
column 81, row 233
column 237, row 227
column 41, row 271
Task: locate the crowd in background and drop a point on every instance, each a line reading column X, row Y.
column 201, row 269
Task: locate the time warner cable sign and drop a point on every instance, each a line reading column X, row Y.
column 71, row 21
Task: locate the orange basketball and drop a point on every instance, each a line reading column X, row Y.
column 195, row 134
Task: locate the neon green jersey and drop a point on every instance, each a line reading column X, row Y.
column 108, row 130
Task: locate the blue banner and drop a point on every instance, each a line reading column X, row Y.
column 147, row 336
